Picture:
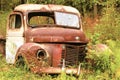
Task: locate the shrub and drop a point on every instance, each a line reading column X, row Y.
column 105, row 63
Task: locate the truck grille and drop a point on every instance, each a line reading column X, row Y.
column 73, row 54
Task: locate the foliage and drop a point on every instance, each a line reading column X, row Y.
column 102, row 61
column 109, row 24
column 84, row 6
column 106, row 62
column 95, row 38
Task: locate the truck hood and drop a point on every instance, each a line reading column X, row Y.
column 55, row 35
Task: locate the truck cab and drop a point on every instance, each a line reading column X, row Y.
column 49, row 38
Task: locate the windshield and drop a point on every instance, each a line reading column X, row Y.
column 55, row 18
column 67, row 19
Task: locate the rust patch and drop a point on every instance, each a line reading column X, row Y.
column 53, row 70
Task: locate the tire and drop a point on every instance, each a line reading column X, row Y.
column 21, row 63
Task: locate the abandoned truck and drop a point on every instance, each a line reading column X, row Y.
column 48, row 38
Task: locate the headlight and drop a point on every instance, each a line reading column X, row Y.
column 41, row 55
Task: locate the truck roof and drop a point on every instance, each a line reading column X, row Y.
column 50, row 7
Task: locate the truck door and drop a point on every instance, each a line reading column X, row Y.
column 14, row 36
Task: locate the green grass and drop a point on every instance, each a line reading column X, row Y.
column 10, row 72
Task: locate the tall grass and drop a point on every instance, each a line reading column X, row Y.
column 105, row 67
column 10, row 72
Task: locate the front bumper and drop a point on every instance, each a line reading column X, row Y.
column 56, row 70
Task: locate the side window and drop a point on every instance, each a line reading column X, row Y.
column 15, row 21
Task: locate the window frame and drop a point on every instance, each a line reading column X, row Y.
column 9, row 25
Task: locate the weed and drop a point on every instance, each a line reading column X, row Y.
column 95, row 38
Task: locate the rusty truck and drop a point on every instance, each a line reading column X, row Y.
column 48, row 38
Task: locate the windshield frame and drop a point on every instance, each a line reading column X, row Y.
column 54, row 25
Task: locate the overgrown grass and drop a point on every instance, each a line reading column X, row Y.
column 104, row 68
column 10, row 72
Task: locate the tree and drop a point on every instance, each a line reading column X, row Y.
column 84, row 6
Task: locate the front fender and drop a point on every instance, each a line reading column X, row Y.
column 28, row 47
column 33, row 54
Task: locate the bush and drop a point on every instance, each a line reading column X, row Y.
column 100, row 60
column 105, row 63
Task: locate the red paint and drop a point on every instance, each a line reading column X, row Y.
column 57, row 55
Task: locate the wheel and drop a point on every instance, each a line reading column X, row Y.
column 21, row 63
